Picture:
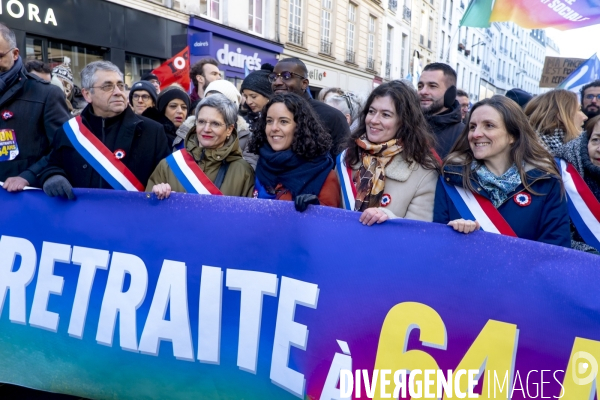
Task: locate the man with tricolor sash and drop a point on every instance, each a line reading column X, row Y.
column 107, row 146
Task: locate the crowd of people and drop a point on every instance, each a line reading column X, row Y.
column 420, row 153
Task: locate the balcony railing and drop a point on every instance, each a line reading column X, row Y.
column 371, row 64
column 325, row 47
column 501, row 78
column 485, row 67
column 406, row 13
column 388, row 70
column 393, row 5
column 296, row 36
column 350, row 56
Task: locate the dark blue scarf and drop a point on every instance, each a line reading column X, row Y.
column 8, row 78
column 296, row 174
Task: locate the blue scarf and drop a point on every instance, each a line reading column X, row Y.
column 295, row 173
column 8, row 78
column 498, row 188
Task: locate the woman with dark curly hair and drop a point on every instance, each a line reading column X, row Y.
column 499, row 177
column 294, row 161
column 389, row 170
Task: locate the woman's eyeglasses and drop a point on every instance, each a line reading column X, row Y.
column 285, row 75
column 213, row 124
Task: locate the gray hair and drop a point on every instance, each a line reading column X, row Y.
column 342, row 103
column 224, row 106
column 9, row 36
column 88, row 78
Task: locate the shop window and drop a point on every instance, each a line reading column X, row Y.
column 55, row 52
column 137, row 66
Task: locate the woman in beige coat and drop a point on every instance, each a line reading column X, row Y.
column 388, row 170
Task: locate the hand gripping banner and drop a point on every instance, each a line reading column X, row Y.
column 120, row 295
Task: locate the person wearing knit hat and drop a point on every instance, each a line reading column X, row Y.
column 153, row 79
column 141, row 96
column 226, row 88
column 172, row 107
column 63, row 72
column 519, row 96
column 256, row 88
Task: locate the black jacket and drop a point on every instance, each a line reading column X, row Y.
column 334, row 123
column 143, row 141
column 38, row 110
column 446, row 128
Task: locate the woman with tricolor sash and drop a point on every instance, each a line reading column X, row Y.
column 389, row 170
column 211, row 162
column 294, row 161
column 499, row 177
column 580, row 168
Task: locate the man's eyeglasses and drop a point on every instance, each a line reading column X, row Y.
column 109, row 87
column 285, row 75
column 592, row 96
column 144, row 97
column 201, row 123
column 2, row 55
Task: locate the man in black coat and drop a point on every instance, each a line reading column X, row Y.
column 136, row 141
column 332, row 120
column 31, row 111
column 437, row 92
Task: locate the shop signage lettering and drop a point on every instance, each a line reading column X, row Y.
column 200, row 44
column 237, row 59
column 316, row 75
column 16, row 9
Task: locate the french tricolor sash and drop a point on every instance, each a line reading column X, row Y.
column 475, row 207
column 584, row 208
column 189, row 174
column 111, row 169
column 346, row 182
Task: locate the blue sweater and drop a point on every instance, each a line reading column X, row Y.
column 545, row 219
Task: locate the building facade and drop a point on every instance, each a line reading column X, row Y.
column 424, row 38
column 396, row 41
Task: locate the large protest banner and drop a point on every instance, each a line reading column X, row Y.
column 120, row 295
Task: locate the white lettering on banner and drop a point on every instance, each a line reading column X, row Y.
column 565, row 11
column 15, row 9
column 237, row 59
column 18, row 264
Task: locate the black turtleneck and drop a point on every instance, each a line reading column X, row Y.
column 105, row 129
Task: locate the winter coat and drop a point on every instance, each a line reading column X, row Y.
column 545, row 219
column 330, row 194
column 142, row 140
column 239, row 180
column 334, row 123
column 38, row 110
column 411, row 189
column 576, row 153
column 168, row 126
column 446, row 128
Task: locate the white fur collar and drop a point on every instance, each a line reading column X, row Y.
column 399, row 170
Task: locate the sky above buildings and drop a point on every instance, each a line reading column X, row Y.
column 577, row 43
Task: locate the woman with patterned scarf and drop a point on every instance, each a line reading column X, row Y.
column 584, row 154
column 516, row 182
column 556, row 117
column 294, row 161
column 388, row 170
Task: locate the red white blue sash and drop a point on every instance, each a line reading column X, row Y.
column 189, row 174
column 584, row 208
column 475, row 207
column 346, row 182
column 100, row 157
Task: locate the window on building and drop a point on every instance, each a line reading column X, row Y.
column 296, row 35
column 388, row 52
column 430, row 33
column 255, row 16
column 351, row 33
column 211, row 9
column 54, row 53
column 443, row 45
column 423, row 32
column 326, row 12
column 403, row 55
column 371, row 43
column 137, row 66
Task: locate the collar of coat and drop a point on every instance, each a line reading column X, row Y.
column 230, row 151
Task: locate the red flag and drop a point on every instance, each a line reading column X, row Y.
column 175, row 70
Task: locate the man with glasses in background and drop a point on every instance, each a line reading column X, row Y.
column 290, row 75
column 590, row 99
column 31, row 111
column 108, row 146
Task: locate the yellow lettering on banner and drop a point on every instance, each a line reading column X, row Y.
column 582, row 371
column 493, row 350
column 393, row 340
column 3, row 151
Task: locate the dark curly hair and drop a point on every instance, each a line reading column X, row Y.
column 417, row 140
column 310, row 139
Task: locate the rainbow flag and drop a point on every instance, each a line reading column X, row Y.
column 532, row 14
